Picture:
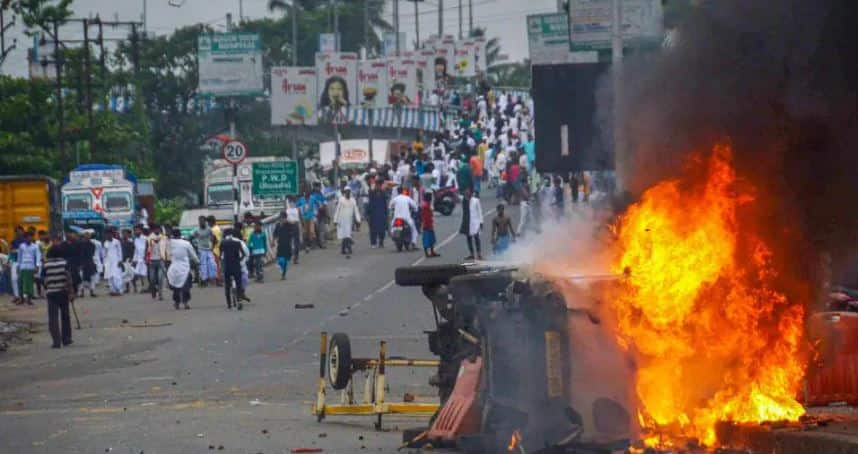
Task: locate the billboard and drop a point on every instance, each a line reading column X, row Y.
column 548, row 38
column 372, row 83
column 337, row 79
column 464, row 62
column 402, row 82
column 293, row 95
column 354, row 152
column 591, row 22
column 425, row 60
column 230, row 64
column 568, row 136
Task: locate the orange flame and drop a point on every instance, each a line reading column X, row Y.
column 713, row 339
column 514, row 441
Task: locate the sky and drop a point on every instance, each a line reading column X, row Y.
column 504, row 19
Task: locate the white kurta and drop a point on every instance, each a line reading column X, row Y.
column 99, row 251
column 345, row 217
column 476, row 216
column 112, row 259
column 139, row 258
column 182, row 255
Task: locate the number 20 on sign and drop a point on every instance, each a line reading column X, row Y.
column 234, row 152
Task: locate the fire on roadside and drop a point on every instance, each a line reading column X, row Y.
column 514, row 441
column 699, row 308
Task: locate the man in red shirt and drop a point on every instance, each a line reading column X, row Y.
column 427, row 219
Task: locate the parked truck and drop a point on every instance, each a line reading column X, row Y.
column 110, row 190
column 28, row 201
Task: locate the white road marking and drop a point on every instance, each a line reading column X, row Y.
column 379, row 291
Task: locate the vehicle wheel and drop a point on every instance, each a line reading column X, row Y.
column 415, row 276
column 399, row 246
column 446, row 207
column 339, row 361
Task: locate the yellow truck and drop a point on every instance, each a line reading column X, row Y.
column 28, row 200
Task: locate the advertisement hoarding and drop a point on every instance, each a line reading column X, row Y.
column 372, row 83
column 230, row 64
column 353, row 152
column 294, row 95
column 464, row 62
column 337, row 79
column 425, row 60
column 402, row 82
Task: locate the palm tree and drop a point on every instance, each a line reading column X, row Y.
column 317, row 14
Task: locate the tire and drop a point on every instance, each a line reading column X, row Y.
column 446, row 206
column 416, row 276
column 339, row 361
column 399, row 245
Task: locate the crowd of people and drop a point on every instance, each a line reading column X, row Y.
column 489, row 149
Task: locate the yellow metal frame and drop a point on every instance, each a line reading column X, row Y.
column 373, row 402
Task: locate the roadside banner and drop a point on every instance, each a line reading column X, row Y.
column 464, row 63
column 372, row 83
column 353, row 152
column 328, row 42
column 425, row 61
column 337, row 75
column 402, row 82
column 388, row 44
column 230, row 64
column 591, row 23
column 293, row 95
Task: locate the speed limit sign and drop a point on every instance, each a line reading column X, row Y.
column 234, row 152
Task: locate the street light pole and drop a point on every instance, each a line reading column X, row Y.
column 460, row 19
column 440, row 19
column 396, row 24
column 294, row 14
column 470, row 18
column 417, row 24
column 335, row 4
column 617, row 80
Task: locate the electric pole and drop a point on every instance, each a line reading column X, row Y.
column 417, row 24
column 617, row 80
column 4, row 51
column 470, row 18
column 366, row 28
column 440, row 19
column 334, row 5
column 396, row 23
column 460, row 19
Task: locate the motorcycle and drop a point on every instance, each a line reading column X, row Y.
column 445, row 200
column 401, row 234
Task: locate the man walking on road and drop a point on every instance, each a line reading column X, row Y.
column 232, row 253
column 377, row 214
column 472, row 223
column 113, row 262
column 87, row 264
column 258, row 245
column 139, row 260
column 157, row 254
column 179, row 274
column 344, row 218
column 284, row 236
column 29, row 261
column 58, row 287
column 205, row 242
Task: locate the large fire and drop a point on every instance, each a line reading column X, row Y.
column 698, row 308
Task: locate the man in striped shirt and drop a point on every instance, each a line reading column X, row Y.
column 58, row 287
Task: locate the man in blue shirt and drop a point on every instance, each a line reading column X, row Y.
column 29, row 261
column 308, row 206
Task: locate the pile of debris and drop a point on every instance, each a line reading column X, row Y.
column 13, row 332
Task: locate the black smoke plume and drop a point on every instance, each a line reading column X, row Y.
column 777, row 79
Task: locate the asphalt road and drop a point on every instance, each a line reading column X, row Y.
column 219, row 380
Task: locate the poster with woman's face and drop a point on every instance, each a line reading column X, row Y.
column 337, row 73
column 372, row 83
column 465, row 62
column 402, row 82
column 293, row 95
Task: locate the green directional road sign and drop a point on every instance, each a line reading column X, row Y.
column 275, row 179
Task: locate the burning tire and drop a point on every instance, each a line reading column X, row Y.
column 339, row 361
column 416, row 276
